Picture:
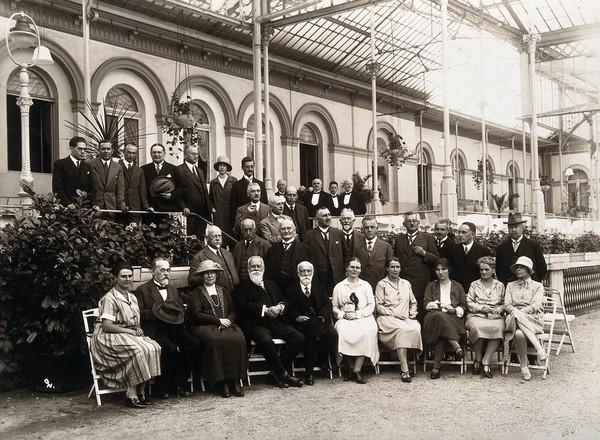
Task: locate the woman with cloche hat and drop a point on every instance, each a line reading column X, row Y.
column 220, row 192
column 224, row 355
column 525, row 319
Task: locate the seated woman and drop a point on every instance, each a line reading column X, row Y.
column 224, row 357
column 123, row 356
column 353, row 306
column 446, row 304
column 485, row 322
column 396, row 305
column 525, row 312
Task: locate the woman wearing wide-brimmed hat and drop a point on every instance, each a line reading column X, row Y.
column 525, row 319
column 224, row 354
column 220, row 192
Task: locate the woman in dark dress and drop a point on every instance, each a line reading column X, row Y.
column 224, row 354
column 446, row 305
column 220, row 191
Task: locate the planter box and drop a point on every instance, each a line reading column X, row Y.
column 61, row 373
column 577, row 256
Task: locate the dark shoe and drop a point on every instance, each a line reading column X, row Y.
column 476, row 367
column 133, row 403
column 238, row 390
column 359, row 378
column 309, row 380
column 487, row 372
column 293, row 381
column 405, row 377
column 324, row 367
column 458, row 354
column 435, row 373
column 182, row 392
column 275, row 380
column 144, row 400
column 347, row 375
column 161, row 396
column 225, row 391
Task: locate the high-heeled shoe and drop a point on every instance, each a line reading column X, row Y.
column 458, row 354
column 405, row 377
column 525, row 373
column 476, row 367
column 542, row 355
column 359, row 378
column 487, row 372
column 133, row 402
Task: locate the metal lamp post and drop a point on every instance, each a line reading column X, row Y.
column 23, row 37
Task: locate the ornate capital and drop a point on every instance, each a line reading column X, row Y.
column 531, row 40
column 373, row 68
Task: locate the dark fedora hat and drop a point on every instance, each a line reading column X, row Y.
column 161, row 185
column 169, row 311
column 515, row 219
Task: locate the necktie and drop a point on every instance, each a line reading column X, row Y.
column 326, row 238
column 78, row 163
column 348, row 239
column 369, row 246
column 218, row 253
column 306, row 291
column 247, row 244
column 158, row 167
column 411, row 238
column 515, row 245
column 106, row 168
column 466, row 249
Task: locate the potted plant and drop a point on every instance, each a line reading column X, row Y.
column 397, row 152
column 181, row 126
column 366, row 192
column 546, row 183
column 478, row 175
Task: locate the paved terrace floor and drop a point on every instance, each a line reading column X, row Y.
column 565, row 406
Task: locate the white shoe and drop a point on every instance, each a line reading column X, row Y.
column 525, row 373
column 542, row 355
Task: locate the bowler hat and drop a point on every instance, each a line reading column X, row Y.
column 169, row 311
column 161, row 185
column 523, row 261
column 515, row 219
column 222, row 160
column 209, row 266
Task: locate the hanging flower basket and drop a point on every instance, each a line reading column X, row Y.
column 181, row 126
column 397, row 152
column 185, row 120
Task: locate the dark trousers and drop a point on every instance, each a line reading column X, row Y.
column 319, row 348
column 263, row 336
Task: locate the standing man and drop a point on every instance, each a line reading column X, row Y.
column 281, row 186
column 317, row 198
column 464, row 256
column 250, row 245
column 336, row 203
column 374, row 254
column 107, row 183
column 194, row 193
column 310, row 312
column 162, row 316
column 261, row 310
column 418, row 254
column 351, row 199
column 228, row 277
column 239, row 193
column 255, row 209
column 443, row 240
column 136, row 196
column 71, row 173
column 517, row 246
column 351, row 236
column 297, row 211
column 269, row 226
column 326, row 245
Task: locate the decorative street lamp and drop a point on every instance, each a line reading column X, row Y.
column 23, row 38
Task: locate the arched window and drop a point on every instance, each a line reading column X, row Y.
column 41, row 123
column 309, row 155
column 458, row 170
column 513, row 174
column 119, row 102
column 250, row 136
column 578, row 191
column 424, row 179
column 203, row 135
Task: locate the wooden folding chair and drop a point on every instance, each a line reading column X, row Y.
column 462, row 363
column 89, row 318
column 562, row 326
column 256, row 358
column 390, row 357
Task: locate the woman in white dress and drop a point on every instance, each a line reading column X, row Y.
column 353, row 306
column 396, row 305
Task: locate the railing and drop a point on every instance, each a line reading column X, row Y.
column 578, row 276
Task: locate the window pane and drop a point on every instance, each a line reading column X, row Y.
column 132, row 131
column 120, row 99
column 37, row 86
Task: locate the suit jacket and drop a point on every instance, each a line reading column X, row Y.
column 147, row 295
column 506, row 257
column 249, row 301
column 356, row 203
column 464, row 267
column 300, row 217
column 258, row 248
column 136, row 195
column 67, row 179
column 335, row 210
column 350, row 248
column 273, row 260
column 323, row 200
column 227, row 278
column 173, row 204
column 327, row 259
column 269, row 228
column 415, row 268
column 373, row 265
column 294, row 294
column 239, row 197
column 242, row 213
column 444, row 249
column 108, row 189
column 194, row 191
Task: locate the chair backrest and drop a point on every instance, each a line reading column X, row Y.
column 558, row 296
column 89, row 318
column 550, row 304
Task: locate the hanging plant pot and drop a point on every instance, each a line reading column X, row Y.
column 184, row 120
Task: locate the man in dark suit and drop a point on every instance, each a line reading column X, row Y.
column 374, row 254
column 517, row 246
column 136, row 196
column 158, row 300
column 351, row 199
column 443, row 240
column 239, row 194
column 194, row 193
column 228, row 277
column 310, row 313
column 297, row 211
column 261, row 310
column 107, row 182
column 336, row 200
column 351, row 236
column 71, row 173
column 255, row 209
column 316, row 198
column 250, row 245
column 269, row 226
column 417, row 253
column 464, row 256
column 281, row 186
column 327, row 247
column 282, row 258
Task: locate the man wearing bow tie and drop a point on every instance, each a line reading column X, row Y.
column 269, row 226
column 255, row 209
column 281, row 186
column 71, row 173
column 336, row 202
column 250, row 245
column 316, row 198
column 351, row 199
column 443, row 240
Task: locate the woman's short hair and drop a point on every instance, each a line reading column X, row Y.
column 356, row 259
column 444, row 263
column 490, row 261
column 396, row 259
column 117, row 268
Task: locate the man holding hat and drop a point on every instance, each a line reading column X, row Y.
column 220, row 194
column 517, row 246
column 162, row 317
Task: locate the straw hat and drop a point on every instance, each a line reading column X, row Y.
column 523, row 261
column 209, row 266
column 222, row 160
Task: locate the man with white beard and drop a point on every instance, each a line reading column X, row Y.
column 310, row 309
column 261, row 310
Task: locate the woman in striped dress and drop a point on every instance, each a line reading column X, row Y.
column 123, row 356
